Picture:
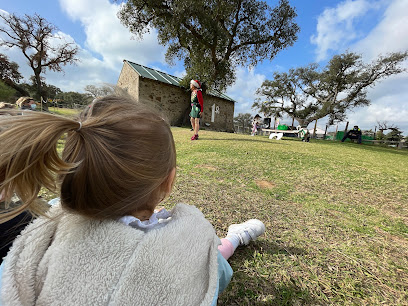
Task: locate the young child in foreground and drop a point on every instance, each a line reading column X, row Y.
column 104, row 243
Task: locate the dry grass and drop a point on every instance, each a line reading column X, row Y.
column 336, row 216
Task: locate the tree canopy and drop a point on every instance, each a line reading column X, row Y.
column 73, row 98
column 100, row 91
column 310, row 93
column 39, row 42
column 244, row 120
column 212, row 37
column 10, row 76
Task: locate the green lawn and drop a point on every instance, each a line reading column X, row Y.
column 336, row 216
column 67, row 112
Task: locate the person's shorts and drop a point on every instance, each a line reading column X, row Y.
column 195, row 111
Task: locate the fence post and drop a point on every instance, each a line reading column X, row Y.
column 314, row 131
column 345, row 130
column 335, row 134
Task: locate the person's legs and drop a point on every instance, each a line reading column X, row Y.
column 192, row 120
column 345, row 137
column 253, row 131
column 240, row 234
column 192, row 123
column 196, row 126
column 359, row 139
column 226, row 248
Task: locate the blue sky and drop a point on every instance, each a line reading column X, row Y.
column 328, row 27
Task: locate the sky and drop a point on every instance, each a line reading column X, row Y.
column 327, row 27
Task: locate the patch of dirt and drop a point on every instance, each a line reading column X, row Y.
column 391, row 237
column 265, row 184
column 206, row 167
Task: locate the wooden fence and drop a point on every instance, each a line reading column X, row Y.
column 397, row 144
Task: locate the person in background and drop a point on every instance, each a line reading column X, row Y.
column 197, row 107
column 355, row 133
column 255, row 125
column 28, row 104
column 106, row 241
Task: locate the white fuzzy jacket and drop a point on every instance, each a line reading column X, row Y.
column 72, row 260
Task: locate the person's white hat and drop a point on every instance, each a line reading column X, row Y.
column 195, row 83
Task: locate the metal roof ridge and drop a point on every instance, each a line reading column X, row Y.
column 173, row 77
column 216, row 92
column 161, row 74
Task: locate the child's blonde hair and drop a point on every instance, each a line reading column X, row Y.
column 117, row 158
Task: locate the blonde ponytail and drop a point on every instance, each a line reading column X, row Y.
column 115, row 162
column 28, row 156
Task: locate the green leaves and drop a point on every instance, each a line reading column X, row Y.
column 213, row 36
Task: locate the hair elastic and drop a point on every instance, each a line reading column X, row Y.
column 80, row 126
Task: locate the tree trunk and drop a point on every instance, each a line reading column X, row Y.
column 39, row 91
column 345, row 130
column 314, row 131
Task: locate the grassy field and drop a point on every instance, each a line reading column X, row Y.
column 67, row 112
column 336, row 216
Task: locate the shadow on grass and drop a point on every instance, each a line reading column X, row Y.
column 239, row 139
column 248, row 288
column 278, row 294
column 273, row 248
column 365, row 146
column 375, row 148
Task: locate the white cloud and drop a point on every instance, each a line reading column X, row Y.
column 3, row 12
column 389, row 103
column 243, row 91
column 336, row 31
column 106, row 36
column 389, row 97
column 180, row 74
column 336, row 26
column 389, row 35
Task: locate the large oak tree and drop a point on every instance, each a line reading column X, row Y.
column 214, row 36
column 39, row 42
column 310, row 93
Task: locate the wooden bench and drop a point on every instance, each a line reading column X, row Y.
column 281, row 131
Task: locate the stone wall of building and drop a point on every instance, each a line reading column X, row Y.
column 223, row 114
column 174, row 102
column 129, row 81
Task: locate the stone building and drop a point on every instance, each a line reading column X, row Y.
column 163, row 91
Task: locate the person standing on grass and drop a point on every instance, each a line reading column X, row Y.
column 106, row 242
column 197, row 107
column 255, row 125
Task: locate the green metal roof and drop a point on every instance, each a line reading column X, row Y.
column 146, row 72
